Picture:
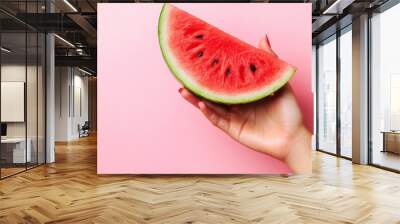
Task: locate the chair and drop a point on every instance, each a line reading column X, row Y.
column 84, row 130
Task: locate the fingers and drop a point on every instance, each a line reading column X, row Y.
column 188, row 96
column 194, row 100
column 216, row 114
column 213, row 117
column 265, row 45
column 219, row 109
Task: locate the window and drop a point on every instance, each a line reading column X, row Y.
column 346, row 92
column 22, row 77
column 385, row 89
column 327, row 95
column 335, row 137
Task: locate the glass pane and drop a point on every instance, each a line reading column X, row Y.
column 346, row 93
column 386, row 89
column 13, row 86
column 32, row 95
column 22, row 90
column 41, row 98
column 31, row 88
column 327, row 96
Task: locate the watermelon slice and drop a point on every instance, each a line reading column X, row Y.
column 216, row 65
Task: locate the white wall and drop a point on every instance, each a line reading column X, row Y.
column 62, row 82
column 16, row 73
column 81, row 103
column 70, row 83
column 12, row 73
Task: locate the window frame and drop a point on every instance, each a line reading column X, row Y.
column 336, row 36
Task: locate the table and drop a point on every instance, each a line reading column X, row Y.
column 391, row 141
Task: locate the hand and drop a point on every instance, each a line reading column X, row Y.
column 273, row 125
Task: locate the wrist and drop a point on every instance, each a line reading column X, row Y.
column 299, row 157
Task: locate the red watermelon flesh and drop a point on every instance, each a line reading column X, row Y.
column 215, row 64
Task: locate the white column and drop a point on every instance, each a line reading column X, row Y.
column 50, row 92
column 50, row 99
column 360, row 90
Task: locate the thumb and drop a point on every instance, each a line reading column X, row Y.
column 265, row 45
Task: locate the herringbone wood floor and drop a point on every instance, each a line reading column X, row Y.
column 69, row 191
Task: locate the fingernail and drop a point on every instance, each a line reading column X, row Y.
column 201, row 105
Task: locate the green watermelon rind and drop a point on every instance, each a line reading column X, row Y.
column 183, row 78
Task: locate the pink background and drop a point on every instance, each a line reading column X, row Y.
column 145, row 127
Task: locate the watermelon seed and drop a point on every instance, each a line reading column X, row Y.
column 214, row 62
column 253, row 68
column 200, row 36
column 200, row 54
column 228, row 71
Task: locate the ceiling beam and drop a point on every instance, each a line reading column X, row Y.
column 86, row 26
column 84, row 61
column 337, row 6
